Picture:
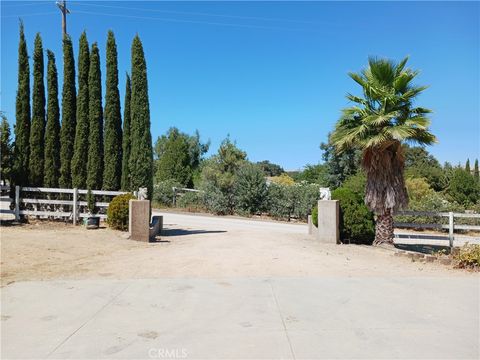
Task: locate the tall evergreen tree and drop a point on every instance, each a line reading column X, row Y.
column 467, row 167
column 37, row 132
column 126, row 140
column 476, row 173
column 112, row 172
column 79, row 160
column 69, row 105
column 95, row 115
column 6, row 149
column 141, row 156
column 52, row 140
column 22, row 114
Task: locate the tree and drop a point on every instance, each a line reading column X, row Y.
column 126, row 140
column 69, row 108
column 178, row 155
column 22, row 114
column 37, row 132
column 467, row 167
column 141, row 156
column 314, row 174
column 95, row 116
column 52, row 132
column 463, row 188
column 476, row 173
column 270, row 169
column 378, row 124
column 6, row 150
column 250, row 189
column 419, row 163
column 80, row 152
column 112, row 173
column 339, row 166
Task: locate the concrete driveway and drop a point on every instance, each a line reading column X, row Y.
column 344, row 312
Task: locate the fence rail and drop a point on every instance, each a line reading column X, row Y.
column 75, row 204
column 451, row 226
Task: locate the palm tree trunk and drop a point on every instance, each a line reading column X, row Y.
column 384, row 229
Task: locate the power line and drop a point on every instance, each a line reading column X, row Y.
column 196, row 13
column 192, row 21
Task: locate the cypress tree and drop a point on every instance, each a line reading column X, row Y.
column 95, row 115
column 141, row 155
column 112, row 172
column 126, row 137
column 22, row 114
column 467, row 167
column 37, row 132
column 79, row 160
column 476, row 173
column 69, row 101
column 52, row 142
column 6, row 149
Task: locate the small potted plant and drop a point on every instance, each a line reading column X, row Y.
column 92, row 221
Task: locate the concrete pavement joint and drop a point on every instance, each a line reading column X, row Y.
column 283, row 321
column 89, row 319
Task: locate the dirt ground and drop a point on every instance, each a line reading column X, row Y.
column 192, row 246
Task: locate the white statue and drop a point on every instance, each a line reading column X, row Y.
column 142, row 193
column 325, row 194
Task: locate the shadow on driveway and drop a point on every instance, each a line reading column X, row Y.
column 178, row 232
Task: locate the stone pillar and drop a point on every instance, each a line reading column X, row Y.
column 139, row 220
column 328, row 221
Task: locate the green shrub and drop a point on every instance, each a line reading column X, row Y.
column 192, row 201
column 356, row 221
column 287, row 201
column 117, row 212
column 278, row 203
column 468, row 257
column 163, row 192
column 250, row 189
column 216, row 201
column 315, row 215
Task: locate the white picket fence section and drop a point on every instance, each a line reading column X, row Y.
column 451, row 226
column 59, row 211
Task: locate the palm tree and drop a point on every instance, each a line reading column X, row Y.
column 378, row 124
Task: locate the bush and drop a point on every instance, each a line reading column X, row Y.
column 468, row 257
column 287, row 201
column 117, row 212
column 356, row 221
column 278, row 203
column 192, row 201
column 216, row 201
column 250, row 189
column 315, row 215
column 163, row 192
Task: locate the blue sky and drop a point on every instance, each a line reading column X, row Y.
column 273, row 75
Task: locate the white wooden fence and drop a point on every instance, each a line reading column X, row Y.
column 451, row 226
column 56, row 208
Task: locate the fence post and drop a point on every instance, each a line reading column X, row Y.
column 17, row 203
column 75, row 209
column 450, row 228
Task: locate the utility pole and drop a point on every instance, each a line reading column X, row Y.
column 62, row 5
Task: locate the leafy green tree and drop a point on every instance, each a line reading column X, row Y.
column 314, row 174
column 378, row 124
column 177, row 156
column 339, row 165
column 270, row 169
column 476, row 173
column 95, row 115
column 37, row 132
column 80, row 153
column 112, row 173
column 419, row 163
column 22, row 114
column 467, row 167
column 126, row 140
column 463, row 188
column 52, row 132
column 69, row 108
column 6, row 150
column 141, row 156
column 250, row 189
